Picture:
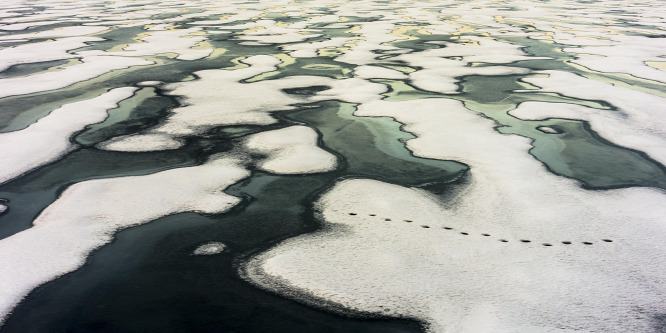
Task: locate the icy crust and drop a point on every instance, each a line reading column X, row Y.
column 441, row 73
column 291, row 150
column 38, row 52
column 384, row 249
column 377, row 72
column 626, row 131
column 73, row 31
column 91, row 67
column 627, row 55
column 638, row 123
column 210, row 249
column 158, row 42
column 87, row 215
column 48, row 139
column 220, row 98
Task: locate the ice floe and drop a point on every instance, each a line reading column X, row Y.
column 91, row 67
column 386, row 249
column 87, row 214
column 638, row 123
column 39, row 52
column 291, row 150
column 210, row 249
column 48, row 139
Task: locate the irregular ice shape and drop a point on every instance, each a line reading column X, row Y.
column 87, row 215
column 210, row 249
column 38, row 52
column 309, row 50
column 60, row 32
column 627, row 55
column 141, row 143
column 638, row 112
column 89, row 69
column 291, row 150
column 627, row 131
column 460, row 280
column 376, row 72
column 170, row 41
column 440, row 74
column 48, row 139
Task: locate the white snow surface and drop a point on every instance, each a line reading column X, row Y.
column 210, row 249
column 639, row 122
column 91, row 67
column 291, row 150
column 474, row 283
column 87, row 215
column 48, row 139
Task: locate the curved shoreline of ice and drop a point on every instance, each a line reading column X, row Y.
column 91, row 67
column 48, row 139
column 291, row 150
column 66, row 231
column 457, row 280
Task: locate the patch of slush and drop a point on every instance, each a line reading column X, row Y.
column 291, row 150
column 48, row 139
column 90, row 68
column 210, row 249
column 3, row 208
column 462, row 282
column 87, row 215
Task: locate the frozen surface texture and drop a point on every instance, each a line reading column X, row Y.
column 321, row 115
column 48, row 139
column 87, row 215
column 388, row 249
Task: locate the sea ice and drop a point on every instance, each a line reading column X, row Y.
column 291, row 150
column 87, row 214
column 405, row 262
column 210, row 249
column 48, row 139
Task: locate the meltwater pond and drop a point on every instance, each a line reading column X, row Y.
column 342, row 166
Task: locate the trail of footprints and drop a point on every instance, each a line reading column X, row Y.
column 503, row 240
